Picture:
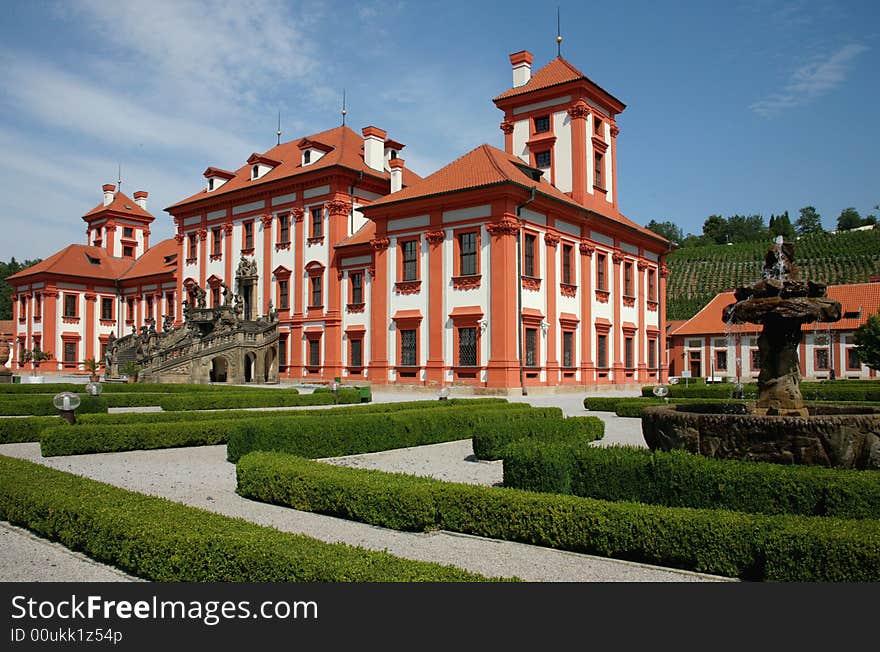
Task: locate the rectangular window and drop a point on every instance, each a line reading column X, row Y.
column 70, row 301
column 529, row 255
column 597, row 126
column 602, row 351
column 315, row 353
column 284, row 228
column 852, row 359
column 410, row 250
column 597, row 171
column 282, row 350
column 467, row 347
column 129, row 314
column 317, row 222
column 106, row 308
column 652, row 285
column 215, row 297
column 216, row 241
column 248, row 235
column 128, row 252
column 652, row 354
column 356, row 359
column 531, row 347
column 104, row 346
column 70, row 352
column 542, row 159
column 149, row 306
column 191, row 246
column 357, row 287
column 566, row 264
column 317, row 292
column 408, row 348
column 721, row 360
column 756, row 359
column 628, row 279
column 127, row 232
column 568, row 349
column 542, row 124
column 37, row 341
column 822, row 359
column 169, row 303
column 467, row 245
column 38, row 305
column 628, row 357
column 601, row 272
column 283, row 294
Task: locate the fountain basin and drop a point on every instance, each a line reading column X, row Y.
column 835, row 436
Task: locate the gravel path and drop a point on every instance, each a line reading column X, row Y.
column 203, row 478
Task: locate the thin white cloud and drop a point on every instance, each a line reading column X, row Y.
column 811, row 81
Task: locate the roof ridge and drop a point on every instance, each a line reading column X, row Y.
column 488, row 150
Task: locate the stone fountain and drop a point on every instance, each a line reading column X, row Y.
column 778, row 427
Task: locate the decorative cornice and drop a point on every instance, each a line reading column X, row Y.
column 629, row 302
column 664, row 271
column 652, row 305
column 266, row 220
column 602, row 295
column 203, row 234
column 355, row 307
column 407, row 287
column 531, row 283
column 192, row 261
column 317, row 240
column 110, row 228
column 297, row 214
column 614, row 131
column 551, row 239
column 507, row 127
column 617, row 257
column 179, row 238
column 50, row 292
column 579, row 110
column 216, row 257
column 90, row 296
column 227, row 228
column 466, row 282
column 338, row 207
column 642, row 265
column 371, row 270
column 282, row 245
column 568, row 290
column 435, row 237
column 586, row 249
column 380, row 244
column 599, row 144
column 506, row 226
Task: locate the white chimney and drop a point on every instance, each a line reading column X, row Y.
column 374, row 147
column 109, row 190
column 396, row 165
column 522, row 67
column 140, row 198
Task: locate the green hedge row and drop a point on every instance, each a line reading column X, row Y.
column 332, row 436
column 126, row 388
column 15, row 430
column 682, row 479
column 41, row 405
column 811, row 391
column 735, row 544
column 265, row 398
column 146, row 431
column 164, row 541
column 490, row 444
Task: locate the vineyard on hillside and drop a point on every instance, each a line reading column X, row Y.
column 699, row 273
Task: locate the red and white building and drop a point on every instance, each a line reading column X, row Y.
column 505, row 268
column 706, row 347
column 68, row 304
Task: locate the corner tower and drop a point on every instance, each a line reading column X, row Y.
column 119, row 224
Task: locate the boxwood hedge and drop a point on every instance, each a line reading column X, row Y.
column 125, row 388
column 490, row 444
column 265, row 398
column 14, row 430
column 682, row 479
column 164, row 541
column 811, row 391
column 736, row 544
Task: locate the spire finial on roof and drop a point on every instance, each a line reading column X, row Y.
column 119, row 177
column 278, row 133
column 344, row 112
column 558, row 35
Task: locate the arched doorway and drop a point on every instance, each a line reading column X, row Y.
column 219, row 369
column 249, row 360
column 269, row 369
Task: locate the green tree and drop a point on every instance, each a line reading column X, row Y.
column 667, row 229
column 849, row 218
column 781, row 225
column 867, row 341
column 714, row 228
column 746, row 228
column 809, row 221
column 7, row 269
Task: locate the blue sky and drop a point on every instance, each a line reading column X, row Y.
column 746, row 106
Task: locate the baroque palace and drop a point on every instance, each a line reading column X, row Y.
column 505, row 268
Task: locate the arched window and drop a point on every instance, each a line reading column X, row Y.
column 255, row 171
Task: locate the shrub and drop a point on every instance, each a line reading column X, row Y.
column 332, row 436
column 265, row 398
column 682, row 479
column 16, row 430
column 41, row 405
column 811, row 391
column 749, row 546
column 132, row 388
column 164, row 541
column 490, row 444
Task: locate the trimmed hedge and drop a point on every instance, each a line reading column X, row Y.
column 16, row 430
column 265, row 398
column 682, row 479
column 811, row 391
column 41, row 405
column 163, row 541
column 735, row 544
column 145, row 431
column 125, row 388
column 490, row 444
column 333, row 436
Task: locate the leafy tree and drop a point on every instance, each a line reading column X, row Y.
column 745, row 228
column 781, row 225
column 867, row 341
column 849, row 218
column 714, row 228
column 809, row 221
column 667, row 229
column 7, row 269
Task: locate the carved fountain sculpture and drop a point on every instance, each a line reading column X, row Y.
column 778, row 427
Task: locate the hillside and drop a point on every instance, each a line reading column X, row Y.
column 699, row 273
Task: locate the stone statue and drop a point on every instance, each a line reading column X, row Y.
column 227, row 295
column 199, row 296
column 167, row 323
column 246, row 267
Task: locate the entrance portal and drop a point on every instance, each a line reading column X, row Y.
column 219, row 368
column 249, row 360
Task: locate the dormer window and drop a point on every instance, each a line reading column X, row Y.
column 393, row 154
column 307, row 157
column 217, row 177
column 255, row 171
column 210, row 184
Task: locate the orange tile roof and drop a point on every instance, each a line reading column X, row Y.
column 362, row 236
column 153, row 261
column 7, row 326
column 856, row 297
column 346, row 149
column 558, row 71
column 75, row 260
column 121, row 204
